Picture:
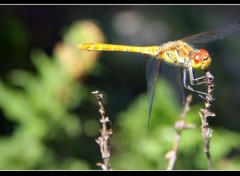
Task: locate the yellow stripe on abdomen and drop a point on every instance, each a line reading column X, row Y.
column 149, row 50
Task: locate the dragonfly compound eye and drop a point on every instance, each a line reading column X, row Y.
column 201, row 55
column 204, row 53
column 201, row 59
column 198, row 57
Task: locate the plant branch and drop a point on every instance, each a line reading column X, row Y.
column 179, row 126
column 204, row 114
column 106, row 133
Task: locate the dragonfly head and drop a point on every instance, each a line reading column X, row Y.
column 200, row 59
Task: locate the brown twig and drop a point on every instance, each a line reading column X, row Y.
column 106, row 133
column 179, row 126
column 204, row 114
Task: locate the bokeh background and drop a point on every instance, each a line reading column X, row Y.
column 48, row 117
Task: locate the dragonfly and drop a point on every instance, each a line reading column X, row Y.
column 180, row 53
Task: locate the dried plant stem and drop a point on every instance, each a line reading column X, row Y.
column 204, row 114
column 106, row 133
column 179, row 126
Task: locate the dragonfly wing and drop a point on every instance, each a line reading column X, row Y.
column 172, row 74
column 152, row 75
column 213, row 35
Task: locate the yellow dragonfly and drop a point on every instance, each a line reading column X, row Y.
column 180, row 53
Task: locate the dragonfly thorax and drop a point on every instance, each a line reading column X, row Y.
column 177, row 53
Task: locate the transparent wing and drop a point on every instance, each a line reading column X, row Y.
column 152, row 75
column 213, row 35
column 172, row 74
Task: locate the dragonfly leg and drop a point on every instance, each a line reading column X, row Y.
column 200, row 80
column 193, row 81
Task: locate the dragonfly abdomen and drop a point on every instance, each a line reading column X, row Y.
column 149, row 50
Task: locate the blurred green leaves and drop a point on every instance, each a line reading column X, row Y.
column 42, row 106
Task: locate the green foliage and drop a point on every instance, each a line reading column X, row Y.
column 41, row 106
